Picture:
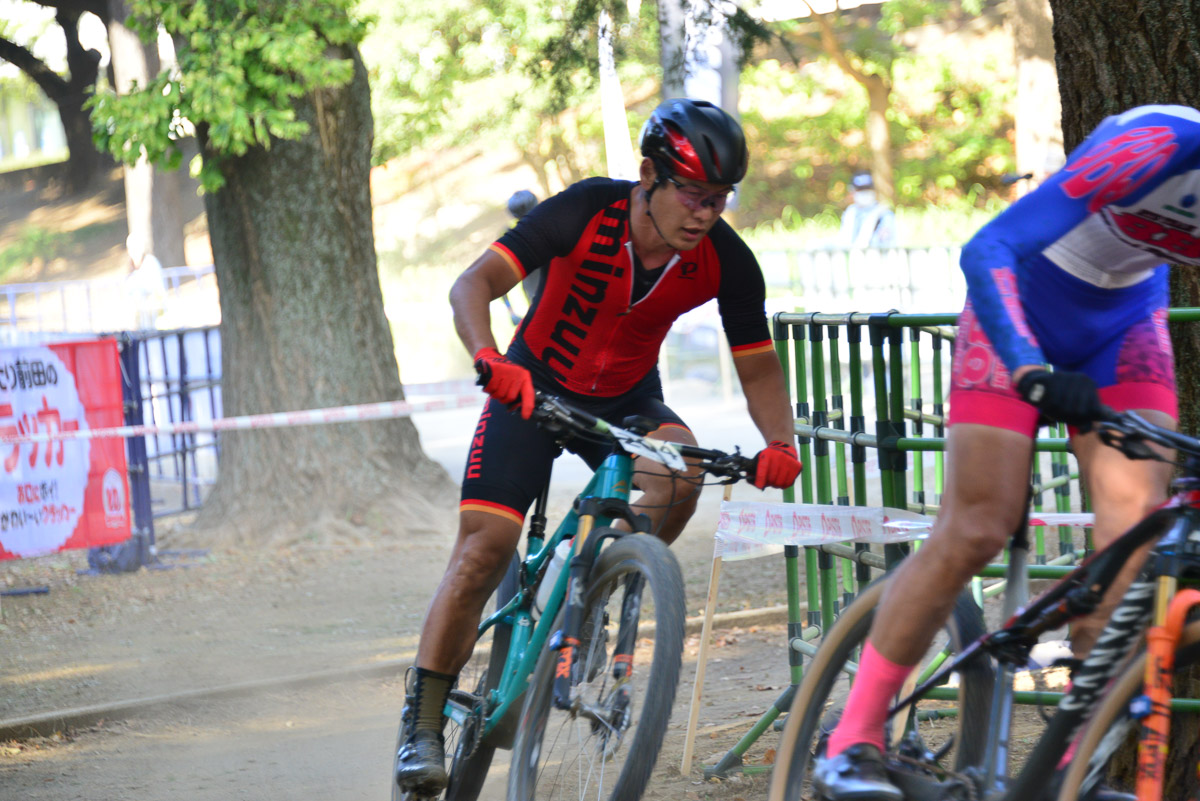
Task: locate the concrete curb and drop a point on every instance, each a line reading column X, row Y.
column 48, row 723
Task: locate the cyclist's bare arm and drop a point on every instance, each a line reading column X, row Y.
column 488, row 278
column 766, row 395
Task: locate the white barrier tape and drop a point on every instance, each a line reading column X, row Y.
column 747, row 529
column 460, row 386
column 309, row 417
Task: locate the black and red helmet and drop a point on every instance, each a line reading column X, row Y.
column 696, row 139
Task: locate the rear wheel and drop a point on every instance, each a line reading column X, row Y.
column 469, row 757
column 822, row 693
column 606, row 744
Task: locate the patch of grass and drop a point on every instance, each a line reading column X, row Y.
column 34, row 242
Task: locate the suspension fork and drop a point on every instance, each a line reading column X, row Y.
column 1170, row 611
column 568, row 643
column 631, row 607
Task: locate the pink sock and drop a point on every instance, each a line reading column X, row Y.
column 877, row 681
column 1069, row 754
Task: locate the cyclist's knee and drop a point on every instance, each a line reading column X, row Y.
column 965, row 540
column 484, row 548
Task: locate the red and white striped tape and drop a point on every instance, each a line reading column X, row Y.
column 309, row 417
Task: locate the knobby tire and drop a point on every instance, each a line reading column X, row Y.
column 561, row 755
column 810, row 710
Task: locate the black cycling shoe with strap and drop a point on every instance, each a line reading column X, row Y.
column 856, row 774
column 421, row 760
column 421, row 764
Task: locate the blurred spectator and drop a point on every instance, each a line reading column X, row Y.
column 521, row 203
column 867, row 223
column 146, row 284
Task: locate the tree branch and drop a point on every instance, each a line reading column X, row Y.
column 97, row 7
column 833, row 48
column 49, row 81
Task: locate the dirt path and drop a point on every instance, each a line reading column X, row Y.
column 233, row 616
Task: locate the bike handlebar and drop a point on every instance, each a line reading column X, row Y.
column 1128, row 432
column 553, row 413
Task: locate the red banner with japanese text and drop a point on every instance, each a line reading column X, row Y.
column 70, row 493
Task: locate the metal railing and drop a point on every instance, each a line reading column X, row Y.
column 104, row 304
column 180, row 381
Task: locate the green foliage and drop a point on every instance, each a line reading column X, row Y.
column 447, row 73
column 805, row 123
column 20, row 88
column 952, row 142
column 241, row 64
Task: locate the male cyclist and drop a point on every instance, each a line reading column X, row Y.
column 1073, row 276
column 622, row 260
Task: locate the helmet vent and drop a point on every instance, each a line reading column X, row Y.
column 713, row 153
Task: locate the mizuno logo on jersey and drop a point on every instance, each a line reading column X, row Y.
column 586, row 295
column 1114, row 168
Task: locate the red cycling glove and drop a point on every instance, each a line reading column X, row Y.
column 506, row 382
column 776, row 465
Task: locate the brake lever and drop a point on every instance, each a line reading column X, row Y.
column 1131, row 443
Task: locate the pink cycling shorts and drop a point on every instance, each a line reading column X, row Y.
column 1134, row 369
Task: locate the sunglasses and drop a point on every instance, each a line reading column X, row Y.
column 696, row 198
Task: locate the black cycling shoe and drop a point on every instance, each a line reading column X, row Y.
column 856, row 774
column 421, row 764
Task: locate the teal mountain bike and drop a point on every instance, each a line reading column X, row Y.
column 576, row 670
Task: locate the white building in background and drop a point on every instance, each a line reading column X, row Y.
column 30, row 127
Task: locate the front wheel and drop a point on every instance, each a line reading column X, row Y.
column 822, row 693
column 623, row 683
column 1111, row 733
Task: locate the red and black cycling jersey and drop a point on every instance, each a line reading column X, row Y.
column 587, row 331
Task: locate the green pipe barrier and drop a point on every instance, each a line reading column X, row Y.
column 823, row 420
column 1034, row 571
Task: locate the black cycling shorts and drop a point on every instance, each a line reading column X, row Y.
column 510, row 459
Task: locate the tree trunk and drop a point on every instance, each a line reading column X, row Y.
column 672, row 34
column 84, row 161
column 152, row 205
column 1112, row 55
column 83, row 66
column 68, row 94
column 303, row 327
column 879, row 138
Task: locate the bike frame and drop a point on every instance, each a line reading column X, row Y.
column 1174, row 525
column 613, row 479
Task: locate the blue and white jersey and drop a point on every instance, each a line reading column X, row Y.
column 1125, row 204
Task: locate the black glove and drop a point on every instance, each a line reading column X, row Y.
column 1064, row 397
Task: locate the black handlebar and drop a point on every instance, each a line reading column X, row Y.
column 1130, row 434
column 555, row 414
